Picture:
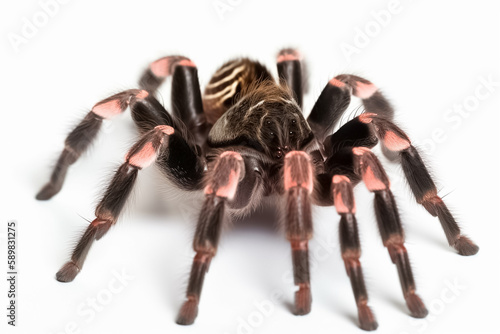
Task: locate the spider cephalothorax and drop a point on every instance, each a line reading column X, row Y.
column 245, row 141
column 266, row 118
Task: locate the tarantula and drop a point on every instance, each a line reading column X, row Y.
column 246, row 141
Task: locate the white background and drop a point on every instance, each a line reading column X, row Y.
column 430, row 57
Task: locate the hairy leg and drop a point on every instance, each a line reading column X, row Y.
column 336, row 97
column 420, row 181
column 351, row 248
column 389, row 224
column 298, row 183
column 290, row 72
column 80, row 139
column 223, row 182
column 185, row 94
column 152, row 145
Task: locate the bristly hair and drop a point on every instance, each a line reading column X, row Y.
column 265, row 90
column 225, row 87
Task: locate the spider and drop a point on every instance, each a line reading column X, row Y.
column 245, row 142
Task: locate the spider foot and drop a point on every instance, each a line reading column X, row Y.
column 68, row 272
column 303, row 300
column 188, row 312
column 47, row 192
column 367, row 320
column 465, row 246
column 416, row 306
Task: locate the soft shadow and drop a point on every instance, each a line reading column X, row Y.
column 399, row 304
column 439, row 241
column 262, row 220
column 290, row 306
column 350, row 316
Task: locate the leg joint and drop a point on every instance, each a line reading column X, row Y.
column 369, row 168
column 343, row 196
column 228, row 171
column 351, row 256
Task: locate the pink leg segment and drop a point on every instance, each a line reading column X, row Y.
column 360, row 150
column 229, row 190
column 374, row 181
column 142, row 94
column 338, row 195
column 364, row 90
column 187, row 62
column 145, row 157
column 116, row 106
column 166, row 129
column 160, row 68
column 337, row 83
column 298, row 171
column 148, row 153
column 288, row 55
column 371, row 181
column 394, row 142
column 232, row 154
column 108, row 109
column 340, row 178
column 164, row 67
column 226, row 189
column 366, row 117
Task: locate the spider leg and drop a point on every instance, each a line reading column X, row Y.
column 298, row 184
column 369, row 168
column 336, row 97
column 290, row 72
column 339, row 158
column 363, row 131
column 185, row 94
column 159, row 70
column 420, row 181
column 223, row 182
column 79, row 140
column 156, row 144
column 351, row 248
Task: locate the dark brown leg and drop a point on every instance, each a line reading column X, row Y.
column 351, row 248
column 329, row 108
column 335, row 98
column 141, row 155
column 425, row 192
column 298, row 176
column 290, row 72
column 185, row 94
column 223, row 182
column 420, row 181
column 159, row 70
column 79, row 140
column 389, row 224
